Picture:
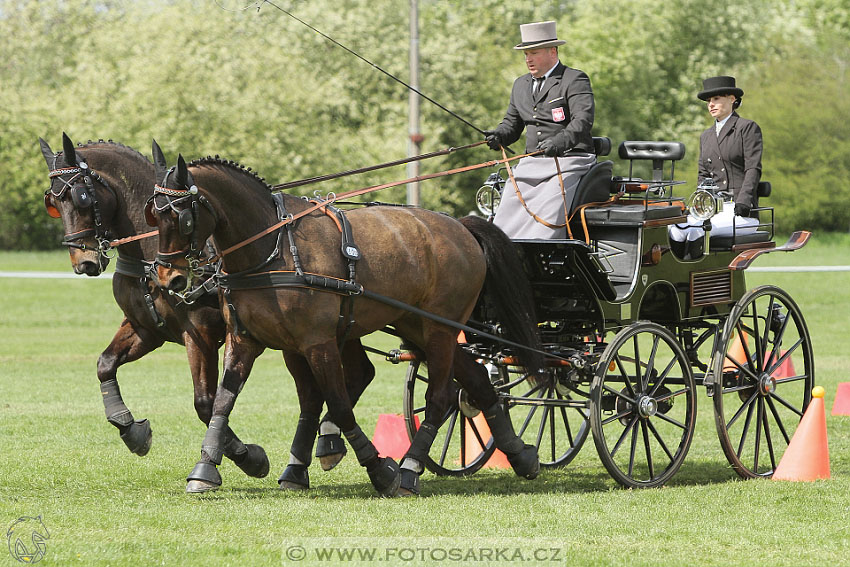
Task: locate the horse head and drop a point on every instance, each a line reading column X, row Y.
column 84, row 201
column 185, row 219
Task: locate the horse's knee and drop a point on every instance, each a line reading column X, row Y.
column 204, row 407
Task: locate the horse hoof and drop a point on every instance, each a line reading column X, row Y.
column 386, row 476
column 330, row 449
column 330, row 461
column 526, row 463
column 138, row 437
column 203, row 478
column 255, row 463
column 200, row 486
column 409, row 483
column 294, row 477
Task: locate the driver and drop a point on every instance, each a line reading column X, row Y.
column 730, row 153
column 554, row 105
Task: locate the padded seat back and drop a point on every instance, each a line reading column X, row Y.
column 594, row 186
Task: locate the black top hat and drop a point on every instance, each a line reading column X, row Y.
column 722, row 85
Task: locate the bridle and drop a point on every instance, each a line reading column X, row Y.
column 83, row 196
column 187, row 220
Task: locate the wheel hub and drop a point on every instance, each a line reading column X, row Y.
column 647, row 406
column 767, row 384
column 465, row 405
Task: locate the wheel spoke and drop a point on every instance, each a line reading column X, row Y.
column 542, row 426
column 647, row 448
column 448, row 440
column 768, row 439
column 528, row 417
column 660, row 440
column 669, row 419
column 746, row 404
column 638, row 373
column 623, row 435
column 746, row 428
column 625, row 376
column 632, row 450
column 474, row 427
column 650, row 364
column 759, row 416
column 764, row 339
column 782, row 401
column 784, row 357
column 778, row 420
column 611, row 390
column 662, row 377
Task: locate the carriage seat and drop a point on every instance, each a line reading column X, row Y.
column 757, row 239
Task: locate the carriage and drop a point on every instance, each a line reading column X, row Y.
column 631, row 330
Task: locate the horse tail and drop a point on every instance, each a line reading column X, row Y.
column 508, row 289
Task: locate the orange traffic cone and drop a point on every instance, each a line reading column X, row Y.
column 807, row 455
column 736, row 353
column 841, row 405
column 390, row 438
column 472, row 448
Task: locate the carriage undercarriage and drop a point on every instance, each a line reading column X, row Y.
column 632, row 332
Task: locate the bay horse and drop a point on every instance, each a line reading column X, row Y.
column 99, row 190
column 294, row 289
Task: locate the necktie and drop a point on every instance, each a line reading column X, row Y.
column 538, row 83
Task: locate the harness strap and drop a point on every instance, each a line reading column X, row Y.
column 363, row 191
column 522, row 201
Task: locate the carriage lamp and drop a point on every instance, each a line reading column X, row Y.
column 490, row 194
column 706, row 200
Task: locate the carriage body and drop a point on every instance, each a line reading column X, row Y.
column 634, row 330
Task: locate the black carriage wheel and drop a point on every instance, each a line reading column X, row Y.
column 763, row 383
column 643, row 406
column 463, row 443
column 551, row 417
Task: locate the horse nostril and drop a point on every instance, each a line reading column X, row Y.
column 177, row 283
column 89, row 268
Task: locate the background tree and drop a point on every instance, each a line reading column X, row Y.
column 262, row 89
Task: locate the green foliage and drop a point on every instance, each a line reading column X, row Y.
column 260, row 88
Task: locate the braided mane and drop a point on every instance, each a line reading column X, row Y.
column 219, row 161
column 91, row 144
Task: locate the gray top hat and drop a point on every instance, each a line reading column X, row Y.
column 538, row 35
column 722, row 85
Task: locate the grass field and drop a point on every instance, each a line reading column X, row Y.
column 102, row 505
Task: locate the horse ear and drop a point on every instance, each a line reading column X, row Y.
column 159, row 162
column 182, row 171
column 150, row 218
column 48, row 154
column 68, row 148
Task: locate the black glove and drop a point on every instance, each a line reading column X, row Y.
column 494, row 139
column 550, row 147
column 742, row 210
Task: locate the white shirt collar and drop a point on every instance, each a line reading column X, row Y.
column 719, row 124
column 546, row 74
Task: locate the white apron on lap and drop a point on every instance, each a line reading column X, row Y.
column 537, row 180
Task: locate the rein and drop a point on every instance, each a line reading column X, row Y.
column 333, row 198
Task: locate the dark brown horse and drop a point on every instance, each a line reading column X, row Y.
column 99, row 191
column 293, row 290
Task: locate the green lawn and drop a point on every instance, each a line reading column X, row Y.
column 102, row 505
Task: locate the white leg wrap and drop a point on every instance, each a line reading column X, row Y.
column 293, row 460
column 412, row 465
column 329, row 428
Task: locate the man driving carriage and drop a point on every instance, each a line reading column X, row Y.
column 553, row 103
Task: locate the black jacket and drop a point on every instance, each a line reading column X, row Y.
column 733, row 158
column 563, row 107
